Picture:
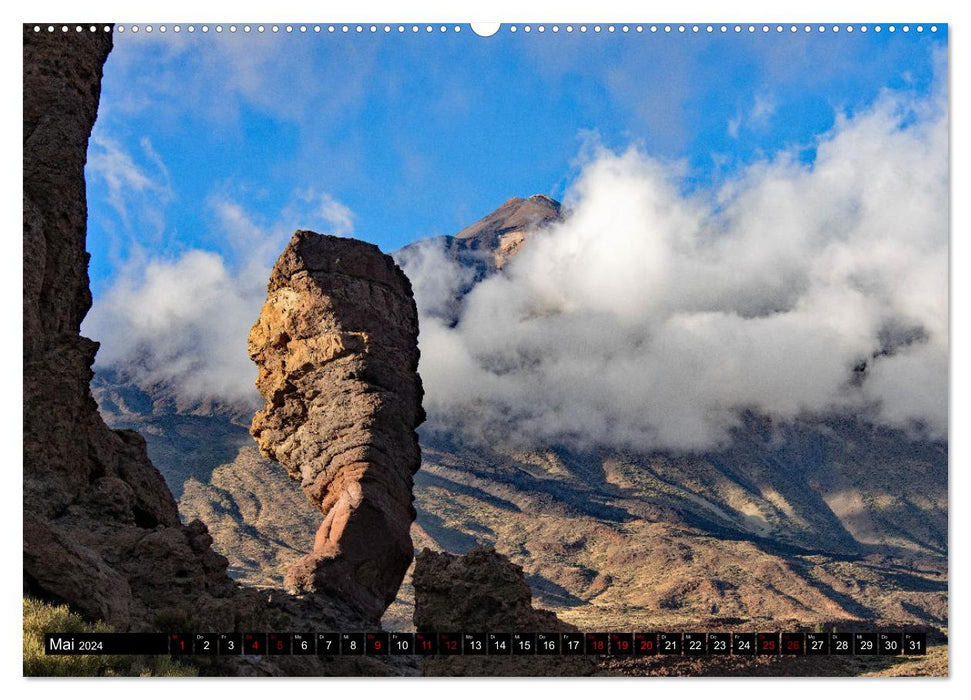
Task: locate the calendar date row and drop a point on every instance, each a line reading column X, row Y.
column 493, row 643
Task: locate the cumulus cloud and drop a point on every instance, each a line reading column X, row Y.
column 184, row 321
column 654, row 315
column 437, row 280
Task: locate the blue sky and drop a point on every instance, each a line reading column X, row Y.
column 397, row 137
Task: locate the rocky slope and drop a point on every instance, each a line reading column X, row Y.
column 498, row 236
column 728, row 538
column 336, row 345
column 186, row 441
column 257, row 517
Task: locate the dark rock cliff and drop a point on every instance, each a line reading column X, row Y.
column 101, row 529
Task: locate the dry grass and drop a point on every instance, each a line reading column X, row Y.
column 42, row 617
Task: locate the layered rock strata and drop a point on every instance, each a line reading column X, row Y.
column 336, row 347
column 483, row 591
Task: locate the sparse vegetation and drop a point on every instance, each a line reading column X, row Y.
column 40, row 617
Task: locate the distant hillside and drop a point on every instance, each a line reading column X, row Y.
column 185, row 441
column 258, row 518
column 749, row 533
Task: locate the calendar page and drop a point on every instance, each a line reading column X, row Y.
column 521, row 349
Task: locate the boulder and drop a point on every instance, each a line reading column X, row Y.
column 483, row 591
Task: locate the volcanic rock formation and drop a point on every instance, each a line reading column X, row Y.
column 101, row 529
column 483, row 591
column 336, row 346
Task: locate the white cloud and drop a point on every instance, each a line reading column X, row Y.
column 132, row 186
column 338, row 219
column 734, row 125
column 437, row 282
column 758, row 116
column 183, row 322
column 763, row 107
column 650, row 318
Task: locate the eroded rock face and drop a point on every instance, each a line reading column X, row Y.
column 101, row 529
column 336, row 344
column 483, row 591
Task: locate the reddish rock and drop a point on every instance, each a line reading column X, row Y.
column 336, row 344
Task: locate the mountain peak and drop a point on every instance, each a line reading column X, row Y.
column 516, row 214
